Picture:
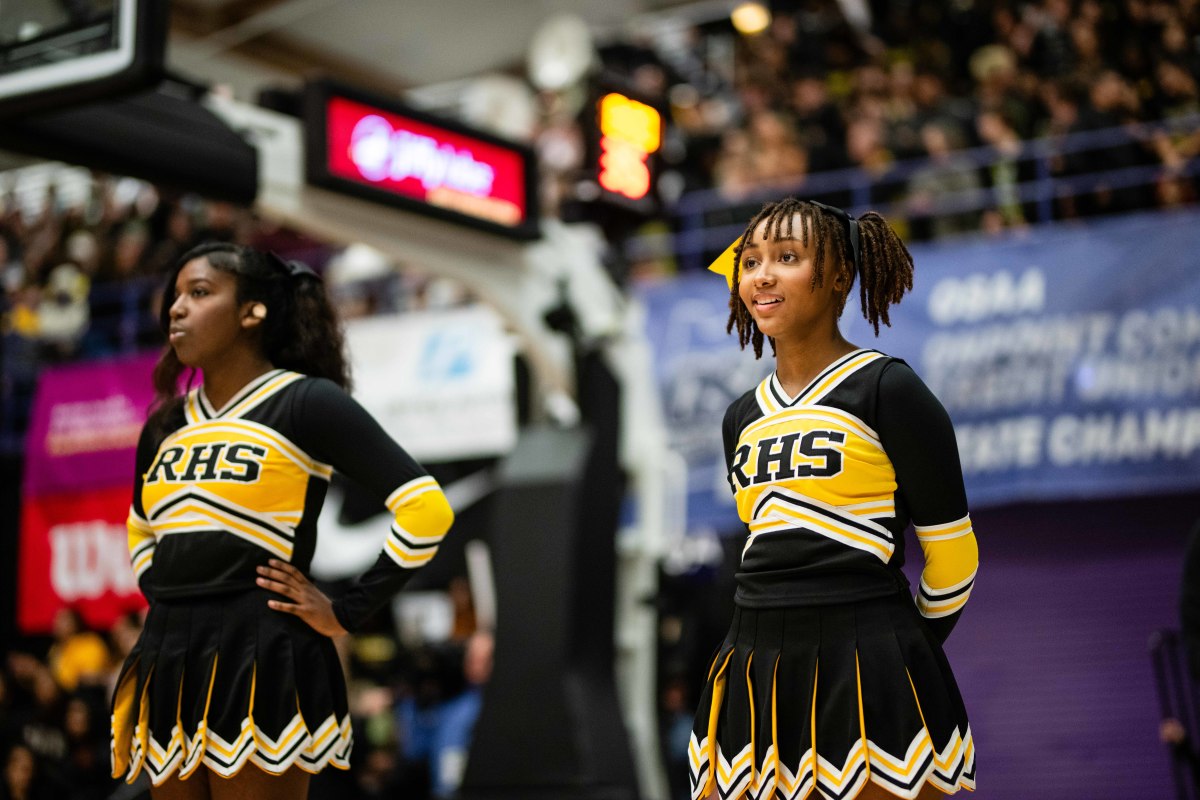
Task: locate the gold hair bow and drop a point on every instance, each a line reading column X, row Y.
column 725, row 262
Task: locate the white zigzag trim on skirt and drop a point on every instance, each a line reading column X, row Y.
column 903, row 776
column 734, row 776
column 698, row 765
column 311, row 751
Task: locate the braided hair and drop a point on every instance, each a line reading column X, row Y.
column 301, row 333
column 885, row 266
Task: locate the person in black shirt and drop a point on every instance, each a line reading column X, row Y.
column 234, row 677
column 831, row 677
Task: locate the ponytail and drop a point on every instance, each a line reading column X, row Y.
column 884, row 264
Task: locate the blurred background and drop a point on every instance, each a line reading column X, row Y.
column 513, row 205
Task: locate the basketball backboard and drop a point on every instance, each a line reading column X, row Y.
column 58, row 53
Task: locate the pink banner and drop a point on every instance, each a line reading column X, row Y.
column 85, row 425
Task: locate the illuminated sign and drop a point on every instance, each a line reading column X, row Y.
column 629, row 132
column 383, row 151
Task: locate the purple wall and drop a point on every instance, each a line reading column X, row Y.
column 1052, row 653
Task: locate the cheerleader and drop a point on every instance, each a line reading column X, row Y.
column 234, row 688
column 831, row 681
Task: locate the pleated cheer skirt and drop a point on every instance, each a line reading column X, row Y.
column 226, row 681
column 817, row 701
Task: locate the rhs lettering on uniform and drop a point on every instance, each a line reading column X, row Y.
column 814, row 454
column 215, row 461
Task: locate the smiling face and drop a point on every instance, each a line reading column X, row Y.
column 777, row 282
column 206, row 319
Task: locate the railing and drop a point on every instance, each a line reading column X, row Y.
column 706, row 221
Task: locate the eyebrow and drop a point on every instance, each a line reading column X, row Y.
column 760, row 242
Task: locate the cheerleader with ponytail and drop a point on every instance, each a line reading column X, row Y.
column 234, row 688
column 832, row 681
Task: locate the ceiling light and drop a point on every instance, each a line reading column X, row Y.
column 750, row 18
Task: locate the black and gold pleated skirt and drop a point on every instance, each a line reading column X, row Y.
column 817, row 701
column 225, row 682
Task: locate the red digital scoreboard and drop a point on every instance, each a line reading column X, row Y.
column 383, row 151
column 630, row 132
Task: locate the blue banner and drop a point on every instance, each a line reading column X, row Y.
column 700, row 371
column 1068, row 358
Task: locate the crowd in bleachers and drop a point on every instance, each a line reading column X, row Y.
column 81, row 277
column 54, row 711
column 818, row 90
column 64, row 263
column 822, row 90
column 413, row 702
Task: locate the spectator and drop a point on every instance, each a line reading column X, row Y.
column 437, row 728
column 675, row 724
column 22, row 777
column 85, row 769
column 37, row 708
column 63, row 310
column 1064, row 101
column 1010, row 170
column 180, row 236
column 121, row 298
column 933, row 104
column 866, row 146
column 1115, row 104
column 83, row 250
column 1085, row 42
column 12, row 271
column 1051, row 53
column 221, row 224
column 1178, row 102
column 22, row 318
column 9, row 730
column 1176, row 46
column 1177, row 95
column 776, row 157
column 819, row 126
column 78, row 655
column 461, row 600
column 900, row 109
column 942, row 193
column 124, row 634
column 733, row 172
column 997, row 86
column 1172, row 731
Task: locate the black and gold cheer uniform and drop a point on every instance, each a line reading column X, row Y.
column 218, row 677
column 831, row 675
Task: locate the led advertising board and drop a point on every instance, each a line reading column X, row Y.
column 383, row 151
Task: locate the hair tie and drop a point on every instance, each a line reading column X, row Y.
column 293, row 269
column 852, row 233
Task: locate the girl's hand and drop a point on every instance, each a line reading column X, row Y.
column 311, row 604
